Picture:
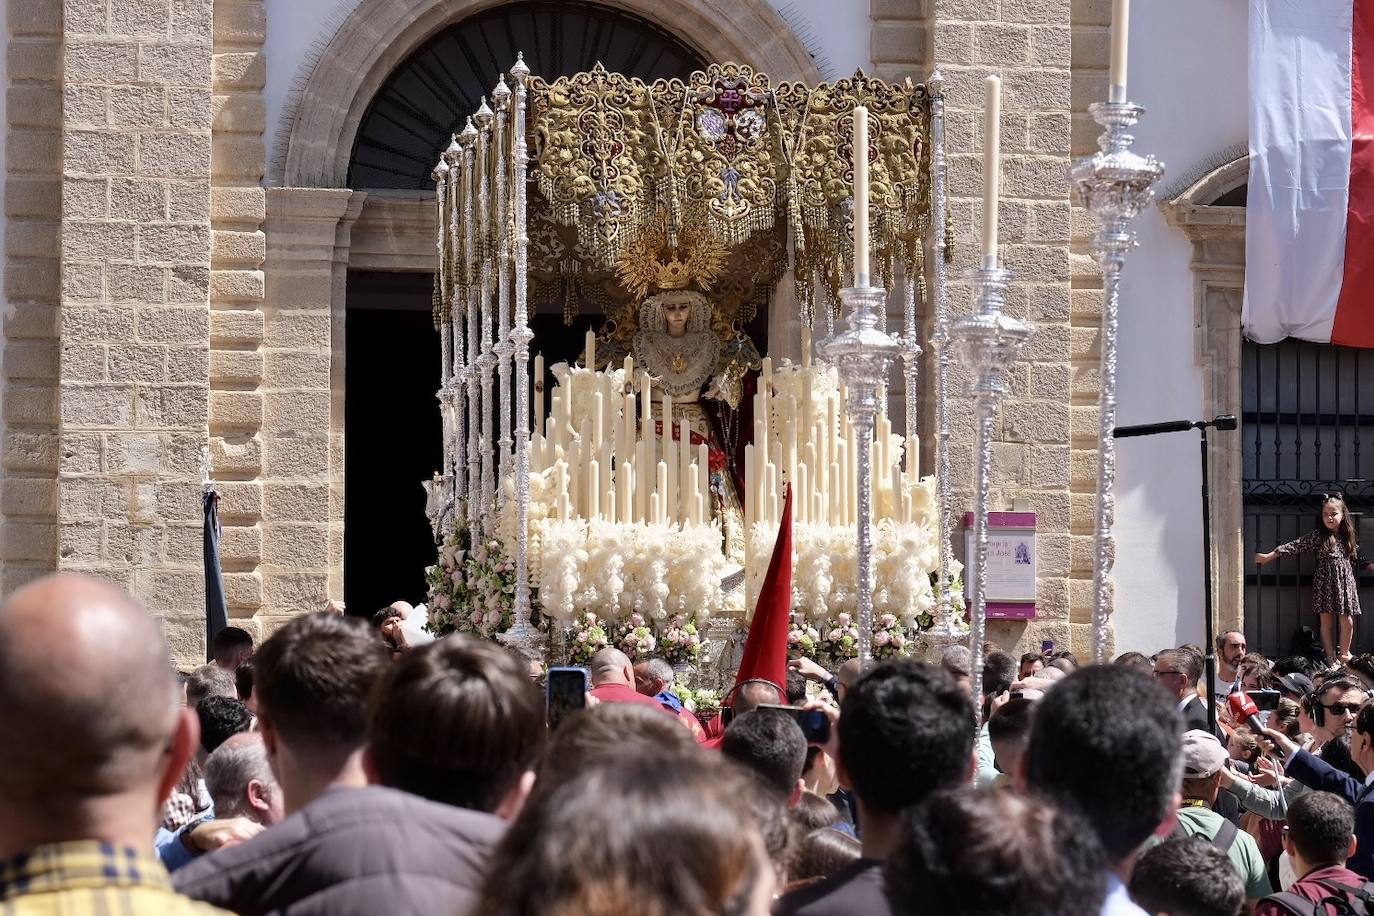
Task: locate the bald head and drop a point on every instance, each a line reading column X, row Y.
column 90, row 700
column 611, row 666
column 753, row 693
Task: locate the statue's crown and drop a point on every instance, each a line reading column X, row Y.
column 672, row 274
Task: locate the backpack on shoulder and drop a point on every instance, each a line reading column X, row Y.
column 1344, row 899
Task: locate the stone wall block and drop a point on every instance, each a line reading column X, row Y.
column 237, row 455
column 241, row 71
column 188, row 201
column 168, row 324
column 174, row 155
column 193, row 19
column 243, row 590
column 233, row 246
column 237, row 408
column 240, row 113
column 100, row 63
column 238, row 157
column 235, row 367
column 34, row 59
column 20, row 540
column 296, row 546
column 31, row 150
column 246, row 23
column 39, row 198
column 190, row 108
column 173, row 64
column 133, row 363
column 237, row 327
column 136, row 283
column 31, row 452
column 30, row 405
column 238, row 205
column 241, row 545
column 97, row 406
column 237, row 286
column 137, row 106
column 138, row 199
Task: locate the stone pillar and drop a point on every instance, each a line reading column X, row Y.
column 33, row 209
column 1027, row 42
column 237, row 209
column 135, row 299
column 302, row 402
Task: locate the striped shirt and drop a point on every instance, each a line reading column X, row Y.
column 91, row 878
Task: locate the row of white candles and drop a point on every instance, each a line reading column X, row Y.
column 598, row 469
column 613, row 468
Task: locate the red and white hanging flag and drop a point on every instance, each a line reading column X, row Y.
column 1309, row 221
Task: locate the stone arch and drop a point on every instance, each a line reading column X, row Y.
column 379, row 34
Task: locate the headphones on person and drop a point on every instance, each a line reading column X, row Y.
column 1312, row 703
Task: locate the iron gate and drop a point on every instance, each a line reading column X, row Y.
column 1307, row 429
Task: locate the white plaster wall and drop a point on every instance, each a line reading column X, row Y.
column 1188, row 68
column 835, row 31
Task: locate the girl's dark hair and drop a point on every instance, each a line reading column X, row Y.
column 812, row 812
column 823, row 852
column 1285, row 717
column 964, row 852
column 1349, row 538
column 645, row 834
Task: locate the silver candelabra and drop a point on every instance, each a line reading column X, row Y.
column 989, row 342
column 1114, row 184
column 522, row 633
column 863, row 355
column 945, row 630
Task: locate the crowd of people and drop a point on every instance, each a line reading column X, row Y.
column 337, row 769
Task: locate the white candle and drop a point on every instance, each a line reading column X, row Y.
column 703, row 471
column 655, row 513
column 566, row 404
column 860, row 146
column 644, row 481
column 539, row 393
column 589, row 350
column 598, row 420
column 669, row 462
column 593, row 489
column 661, row 491
column 624, row 481
column 1121, row 28
column 625, row 438
column 751, row 488
column 771, row 482
column 686, row 478
column 992, row 169
column 802, row 494
column 646, row 416
column 561, row 476
column 806, row 351
column 911, row 448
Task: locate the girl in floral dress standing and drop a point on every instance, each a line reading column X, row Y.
column 1335, row 592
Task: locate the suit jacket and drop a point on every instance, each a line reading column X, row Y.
column 1195, row 715
column 1315, row 773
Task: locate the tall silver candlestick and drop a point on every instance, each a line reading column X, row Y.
column 486, row 359
column 522, row 632
column 946, row 629
column 504, row 349
column 457, row 293
column 467, row 138
column 1114, row 184
column 988, row 343
column 863, row 355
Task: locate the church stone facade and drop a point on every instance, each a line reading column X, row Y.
column 170, row 295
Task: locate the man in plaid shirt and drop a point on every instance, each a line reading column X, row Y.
column 92, row 740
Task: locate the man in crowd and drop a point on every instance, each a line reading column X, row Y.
column 1178, row 671
column 772, row 745
column 1009, row 731
column 1186, row 876
column 654, row 678
column 239, row 778
column 905, row 730
column 1203, row 760
column 837, row 683
column 958, row 664
column 1106, row 740
column 220, row 719
column 209, row 681
column 1316, row 773
column 1230, row 650
column 92, row 740
column 1319, row 839
column 1032, row 663
column 455, row 720
column 231, row 647
column 613, row 679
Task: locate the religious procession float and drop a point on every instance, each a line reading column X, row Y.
column 637, row 500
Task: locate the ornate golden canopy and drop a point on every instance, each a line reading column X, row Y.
column 760, row 174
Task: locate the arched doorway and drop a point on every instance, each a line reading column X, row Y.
column 392, row 429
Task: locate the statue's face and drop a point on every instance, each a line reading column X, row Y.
column 675, row 314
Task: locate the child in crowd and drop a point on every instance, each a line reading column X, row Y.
column 1335, row 591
